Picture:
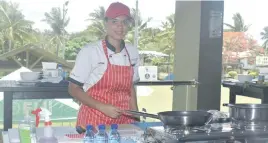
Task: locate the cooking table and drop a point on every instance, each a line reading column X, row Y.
column 247, row 89
column 125, row 130
column 13, row 91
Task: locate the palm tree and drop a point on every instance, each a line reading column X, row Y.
column 98, row 14
column 264, row 36
column 97, row 27
column 142, row 25
column 239, row 24
column 166, row 38
column 15, row 29
column 58, row 20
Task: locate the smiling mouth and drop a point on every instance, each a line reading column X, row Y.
column 119, row 33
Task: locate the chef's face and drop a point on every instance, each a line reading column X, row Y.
column 117, row 27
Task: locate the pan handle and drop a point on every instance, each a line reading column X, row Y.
column 228, row 104
column 136, row 113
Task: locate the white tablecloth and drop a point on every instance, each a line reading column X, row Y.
column 60, row 132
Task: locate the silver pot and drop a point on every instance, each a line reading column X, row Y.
column 254, row 113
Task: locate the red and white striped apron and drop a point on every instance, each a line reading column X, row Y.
column 113, row 88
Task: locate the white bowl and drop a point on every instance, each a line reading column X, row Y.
column 49, row 65
column 29, row 76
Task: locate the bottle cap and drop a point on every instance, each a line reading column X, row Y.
column 114, row 126
column 101, row 127
column 89, row 127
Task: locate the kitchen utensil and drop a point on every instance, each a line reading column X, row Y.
column 30, row 76
column 248, row 112
column 49, row 65
column 50, row 73
column 178, row 118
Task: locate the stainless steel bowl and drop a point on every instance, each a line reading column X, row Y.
column 248, row 112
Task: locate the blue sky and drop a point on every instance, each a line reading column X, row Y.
column 253, row 11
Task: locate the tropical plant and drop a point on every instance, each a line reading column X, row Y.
column 15, row 30
column 142, row 25
column 166, row 37
column 58, row 20
column 264, row 36
column 238, row 25
column 75, row 43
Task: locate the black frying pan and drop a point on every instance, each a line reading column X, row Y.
column 178, row 118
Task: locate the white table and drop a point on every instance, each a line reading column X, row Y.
column 60, row 132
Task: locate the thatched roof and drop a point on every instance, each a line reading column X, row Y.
column 30, row 57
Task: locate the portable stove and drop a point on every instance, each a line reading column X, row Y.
column 215, row 133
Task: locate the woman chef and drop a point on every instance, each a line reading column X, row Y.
column 106, row 70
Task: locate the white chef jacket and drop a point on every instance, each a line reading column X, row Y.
column 91, row 63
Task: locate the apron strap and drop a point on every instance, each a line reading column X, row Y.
column 106, row 52
column 128, row 57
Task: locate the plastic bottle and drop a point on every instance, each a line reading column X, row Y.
column 48, row 136
column 114, row 136
column 60, row 70
column 33, row 132
column 89, row 136
column 101, row 136
column 27, row 130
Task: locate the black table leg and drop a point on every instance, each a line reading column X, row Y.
column 264, row 99
column 8, row 97
column 232, row 96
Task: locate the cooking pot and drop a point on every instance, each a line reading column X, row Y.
column 248, row 112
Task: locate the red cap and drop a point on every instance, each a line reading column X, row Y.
column 117, row 9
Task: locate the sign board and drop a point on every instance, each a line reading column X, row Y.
column 261, row 60
column 215, row 24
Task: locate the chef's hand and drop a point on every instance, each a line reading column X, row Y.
column 110, row 110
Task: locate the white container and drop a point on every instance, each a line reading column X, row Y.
column 244, row 78
column 48, row 136
column 49, row 65
column 29, row 76
column 148, row 73
column 50, row 73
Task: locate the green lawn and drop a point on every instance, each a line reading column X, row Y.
column 161, row 99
